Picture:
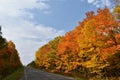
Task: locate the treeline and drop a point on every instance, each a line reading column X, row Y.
column 92, row 49
column 9, row 58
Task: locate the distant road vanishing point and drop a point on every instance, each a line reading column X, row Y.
column 34, row 74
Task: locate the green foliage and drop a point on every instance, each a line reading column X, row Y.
column 54, row 43
column 16, row 75
column 51, row 54
column 116, row 11
column 32, row 64
column 3, row 42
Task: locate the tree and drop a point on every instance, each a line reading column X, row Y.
column 9, row 59
column 116, row 12
column 46, row 55
column 0, row 31
column 14, row 58
column 91, row 49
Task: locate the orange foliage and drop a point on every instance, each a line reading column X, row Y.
column 9, row 59
column 87, row 48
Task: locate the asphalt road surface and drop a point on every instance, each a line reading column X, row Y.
column 34, row 74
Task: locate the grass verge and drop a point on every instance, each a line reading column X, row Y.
column 15, row 75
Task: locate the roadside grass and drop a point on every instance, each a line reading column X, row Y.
column 15, row 75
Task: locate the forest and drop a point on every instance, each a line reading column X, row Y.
column 91, row 50
column 9, row 58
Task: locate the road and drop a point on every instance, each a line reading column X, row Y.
column 34, row 74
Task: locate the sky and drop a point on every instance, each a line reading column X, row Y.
column 32, row 23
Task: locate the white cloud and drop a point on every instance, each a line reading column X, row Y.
column 100, row 3
column 17, row 8
column 90, row 1
column 27, row 36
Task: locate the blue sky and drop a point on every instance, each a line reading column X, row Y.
column 32, row 23
column 64, row 14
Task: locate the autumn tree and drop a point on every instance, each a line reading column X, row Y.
column 14, row 57
column 9, row 59
column 92, row 48
column 116, row 12
column 46, row 55
column 67, row 52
